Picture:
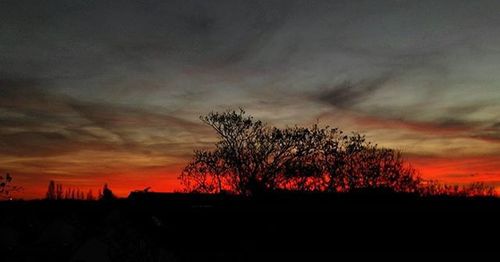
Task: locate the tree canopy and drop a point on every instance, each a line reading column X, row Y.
column 252, row 157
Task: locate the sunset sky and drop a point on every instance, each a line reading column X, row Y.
column 100, row 91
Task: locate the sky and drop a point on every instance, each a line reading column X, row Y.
column 95, row 92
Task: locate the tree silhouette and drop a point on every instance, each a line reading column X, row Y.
column 107, row 194
column 55, row 192
column 477, row 189
column 251, row 157
column 59, row 192
column 90, row 195
column 6, row 187
column 51, row 191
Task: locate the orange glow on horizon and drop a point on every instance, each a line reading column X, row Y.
column 120, row 183
column 464, row 170
column 445, row 170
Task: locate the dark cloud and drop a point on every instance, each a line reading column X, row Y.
column 348, row 95
column 7, row 84
column 101, row 47
column 488, row 136
column 461, row 110
column 455, row 123
column 154, row 52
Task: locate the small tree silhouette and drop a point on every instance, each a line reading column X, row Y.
column 55, row 192
column 90, row 195
column 51, row 191
column 6, row 187
column 107, row 194
column 59, row 192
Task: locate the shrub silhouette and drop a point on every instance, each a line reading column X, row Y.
column 251, row 157
column 477, row 189
column 107, row 194
column 6, row 187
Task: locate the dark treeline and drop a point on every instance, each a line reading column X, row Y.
column 56, row 191
column 252, row 157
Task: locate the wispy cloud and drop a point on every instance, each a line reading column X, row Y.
column 348, row 94
column 129, row 79
column 55, row 136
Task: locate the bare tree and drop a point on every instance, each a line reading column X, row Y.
column 251, row 157
column 6, row 187
column 59, row 192
column 51, row 191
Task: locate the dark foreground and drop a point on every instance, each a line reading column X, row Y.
column 178, row 227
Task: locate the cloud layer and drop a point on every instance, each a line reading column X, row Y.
column 120, row 85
